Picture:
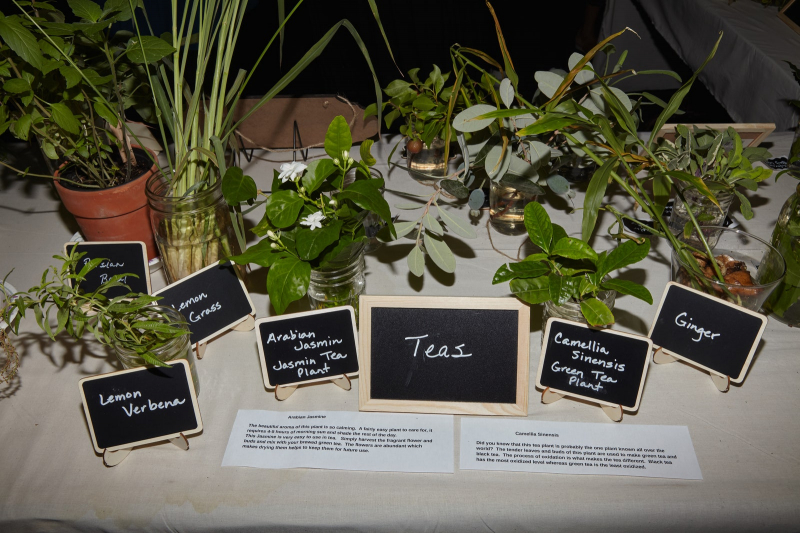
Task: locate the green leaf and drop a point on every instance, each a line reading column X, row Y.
column 506, row 92
column 337, row 138
column 558, row 234
column 432, row 225
column 457, row 225
column 366, row 195
column 397, row 88
column 64, row 118
column 49, row 150
column 438, row 80
column 85, row 9
column 22, row 127
column 548, row 82
column 17, row 86
column 533, row 290
column 627, row 253
column 311, row 243
column 440, row 253
column 155, row 49
column 316, row 174
column 283, row 207
column 572, row 248
column 238, row 188
column 366, row 156
column 466, row 121
column 108, row 115
column 596, row 312
column 416, row 261
column 523, row 269
column 595, row 193
column 21, row 41
column 539, row 226
column 744, row 205
column 623, row 286
column 261, row 254
column 454, row 187
column 287, row 281
column 558, row 183
column 551, row 122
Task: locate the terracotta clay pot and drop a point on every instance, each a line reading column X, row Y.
column 117, row 214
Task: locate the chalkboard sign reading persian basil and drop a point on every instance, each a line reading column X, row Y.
column 119, row 258
column 444, row 355
column 599, row 365
column 212, row 300
column 139, row 406
column 307, row 347
column 708, row 332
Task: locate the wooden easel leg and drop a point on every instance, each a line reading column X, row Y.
column 549, row 396
column 114, row 458
column 661, row 358
column 614, row 412
column 723, row 383
column 200, row 349
column 343, row 381
column 181, row 442
column 248, row 324
column 281, row 392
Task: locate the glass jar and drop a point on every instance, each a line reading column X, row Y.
column 339, row 282
column 507, row 208
column 175, row 348
column 571, row 310
column 372, row 222
column 192, row 231
column 428, row 164
column 703, row 209
column 783, row 302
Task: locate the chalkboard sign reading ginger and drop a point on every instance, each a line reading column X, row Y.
column 139, row 406
column 307, row 347
column 599, row 365
column 118, row 258
column 444, row 355
column 707, row 332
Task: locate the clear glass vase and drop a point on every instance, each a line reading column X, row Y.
column 176, row 348
column 192, row 231
column 507, row 208
column 339, row 283
column 703, row 209
column 784, row 302
column 572, row 310
column 429, row 163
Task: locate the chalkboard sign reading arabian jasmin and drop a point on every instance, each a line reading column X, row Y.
column 600, row 365
column 307, row 347
column 444, row 355
column 707, row 332
column 139, row 406
column 116, row 258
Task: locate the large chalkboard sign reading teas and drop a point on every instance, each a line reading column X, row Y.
column 118, row 258
column 600, row 365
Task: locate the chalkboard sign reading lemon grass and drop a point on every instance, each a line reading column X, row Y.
column 600, row 365
column 139, row 406
column 307, row 347
column 118, row 258
column 444, row 355
column 212, row 300
column 707, row 332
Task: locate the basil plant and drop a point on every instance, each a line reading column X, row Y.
column 311, row 217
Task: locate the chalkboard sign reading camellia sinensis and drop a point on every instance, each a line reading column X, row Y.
column 139, row 406
column 707, row 332
column 307, row 347
column 116, row 258
column 600, row 365
column 212, row 300
column 444, row 355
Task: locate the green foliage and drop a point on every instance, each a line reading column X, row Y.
column 568, row 269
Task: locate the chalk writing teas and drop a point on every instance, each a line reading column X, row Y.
column 443, row 351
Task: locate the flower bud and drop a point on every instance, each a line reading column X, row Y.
column 273, row 246
column 272, row 236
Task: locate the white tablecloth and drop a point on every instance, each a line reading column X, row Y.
column 747, row 441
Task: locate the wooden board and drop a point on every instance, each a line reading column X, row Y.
column 790, row 14
column 599, row 365
column 444, row 355
column 752, row 134
column 123, row 257
column 212, row 300
column 307, row 347
column 706, row 331
column 140, row 405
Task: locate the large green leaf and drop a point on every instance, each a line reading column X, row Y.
column 155, row 49
column 17, row 86
column 523, row 269
column 540, row 229
column 596, row 312
column 366, row 155
column 310, row 243
column 623, row 286
column 338, row 138
column 627, row 253
column 467, row 121
column 316, row 174
column 85, row 9
column 533, row 290
column 106, row 113
column 21, row 41
column 366, row 195
column 595, row 193
column 287, row 281
column 440, row 252
column 22, row 127
column 551, row 122
column 283, row 207
column 64, row 118
column 238, row 188
column 416, row 261
column 548, row 82
column 560, row 288
column 572, row 248
column 261, row 254
column 457, row 225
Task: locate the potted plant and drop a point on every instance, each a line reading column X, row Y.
column 570, row 277
column 67, row 86
column 312, row 232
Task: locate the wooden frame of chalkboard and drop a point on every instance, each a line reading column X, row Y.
column 790, row 14
column 128, row 396
column 488, row 388
column 720, row 377
column 142, row 270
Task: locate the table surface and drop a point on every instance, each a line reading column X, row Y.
column 747, row 441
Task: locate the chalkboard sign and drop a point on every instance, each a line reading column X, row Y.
column 141, row 405
column 706, row 331
column 307, row 347
column 120, row 258
column 444, row 355
column 212, row 300
column 599, row 365
column 790, row 14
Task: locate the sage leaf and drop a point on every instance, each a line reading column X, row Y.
column 457, row 225
column 416, row 261
column 432, row 225
column 465, row 121
column 440, row 253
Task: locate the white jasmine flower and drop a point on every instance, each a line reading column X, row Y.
column 313, row 221
column 290, row 171
column 272, row 236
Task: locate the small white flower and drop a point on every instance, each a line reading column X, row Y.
column 332, row 202
column 313, row 221
column 290, row 171
column 336, row 162
column 272, row 236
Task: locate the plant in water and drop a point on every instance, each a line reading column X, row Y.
column 127, row 321
column 311, row 217
column 568, row 269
